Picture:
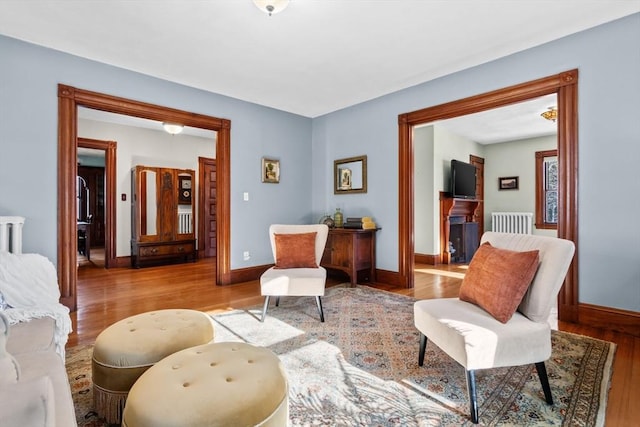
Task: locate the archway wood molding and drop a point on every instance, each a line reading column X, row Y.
column 565, row 86
column 69, row 99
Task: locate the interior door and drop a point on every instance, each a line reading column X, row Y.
column 208, row 242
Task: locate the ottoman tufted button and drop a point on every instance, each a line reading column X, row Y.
column 126, row 349
column 219, row 384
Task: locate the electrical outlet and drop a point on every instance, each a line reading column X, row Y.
column 246, row 255
column 245, row 196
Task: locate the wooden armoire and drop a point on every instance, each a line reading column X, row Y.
column 162, row 215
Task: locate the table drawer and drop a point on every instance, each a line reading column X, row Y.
column 174, row 249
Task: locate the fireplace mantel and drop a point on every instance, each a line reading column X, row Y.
column 454, row 211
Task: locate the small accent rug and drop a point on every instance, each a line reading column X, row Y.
column 360, row 368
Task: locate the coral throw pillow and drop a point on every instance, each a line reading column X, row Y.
column 497, row 279
column 296, row 250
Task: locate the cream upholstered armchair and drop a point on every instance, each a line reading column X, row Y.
column 297, row 251
column 482, row 329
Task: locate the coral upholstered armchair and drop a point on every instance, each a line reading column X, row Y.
column 501, row 316
column 297, row 251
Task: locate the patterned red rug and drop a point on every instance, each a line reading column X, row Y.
column 360, row 368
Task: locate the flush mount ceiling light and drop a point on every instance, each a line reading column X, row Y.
column 172, row 128
column 550, row 114
column 271, row 7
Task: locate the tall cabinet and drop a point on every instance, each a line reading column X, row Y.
column 162, row 215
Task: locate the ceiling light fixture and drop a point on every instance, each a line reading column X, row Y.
column 172, row 128
column 271, row 7
column 550, row 114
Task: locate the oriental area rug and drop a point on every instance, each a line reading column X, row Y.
column 360, row 368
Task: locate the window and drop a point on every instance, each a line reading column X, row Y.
column 547, row 189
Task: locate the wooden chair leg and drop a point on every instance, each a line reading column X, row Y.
column 473, row 400
column 319, row 304
column 544, row 380
column 264, row 308
column 423, row 346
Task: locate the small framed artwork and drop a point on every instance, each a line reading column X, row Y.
column 345, row 179
column 270, row 170
column 508, row 183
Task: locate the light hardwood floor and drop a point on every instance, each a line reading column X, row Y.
column 106, row 296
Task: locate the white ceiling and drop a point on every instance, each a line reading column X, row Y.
column 315, row 57
column 510, row 123
column 103, row 116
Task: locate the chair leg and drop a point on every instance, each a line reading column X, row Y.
column 277, row 301
column 473, row 400
column 423, row 347
column 319, row 304
column 544, row 380
column 264, row 308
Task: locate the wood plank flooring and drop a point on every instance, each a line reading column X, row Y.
column 106, row 296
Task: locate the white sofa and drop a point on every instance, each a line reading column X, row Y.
column 41, row 395
column 34, row 387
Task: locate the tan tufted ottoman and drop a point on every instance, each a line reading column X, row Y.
column 217, row 384
column 126, row 349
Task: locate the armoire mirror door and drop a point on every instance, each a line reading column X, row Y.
column 148, row 204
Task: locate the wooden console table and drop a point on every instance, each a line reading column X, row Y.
column 351, row 251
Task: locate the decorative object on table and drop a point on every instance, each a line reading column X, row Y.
column 353, row 222
column 327, row 220
column 368, row 223
column 508, row 183
column 360, row 223
column 270, row 170
column 338, row 218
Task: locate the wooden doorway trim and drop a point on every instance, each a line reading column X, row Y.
column 565, row 86
column 110, row 156
column 478, row 162
column 69, row 99
column 204, row 202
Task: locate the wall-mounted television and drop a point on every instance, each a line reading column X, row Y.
column 463, row 180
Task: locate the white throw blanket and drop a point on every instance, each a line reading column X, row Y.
column 29, row 285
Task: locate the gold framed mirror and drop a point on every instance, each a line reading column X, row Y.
column 350, row 175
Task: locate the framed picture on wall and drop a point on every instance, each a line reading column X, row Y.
column 508, row 183
column 270, row 170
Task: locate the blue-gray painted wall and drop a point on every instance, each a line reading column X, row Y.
column 608, row 59
column 29, row 77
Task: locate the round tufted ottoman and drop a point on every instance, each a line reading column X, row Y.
column 126, row 349
column 216, row 384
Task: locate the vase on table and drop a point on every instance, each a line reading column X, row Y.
column 338, row 218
